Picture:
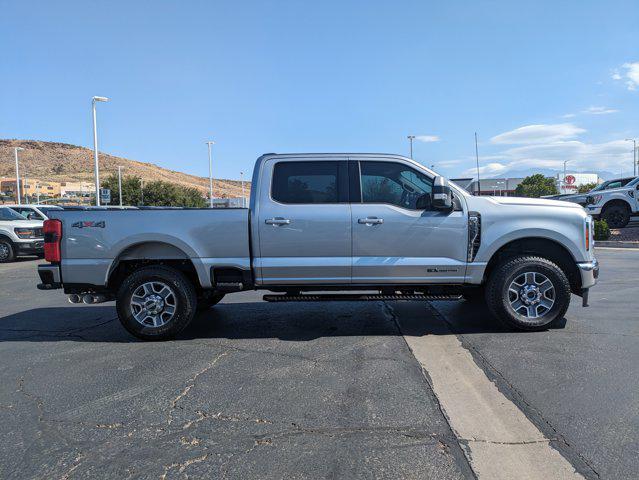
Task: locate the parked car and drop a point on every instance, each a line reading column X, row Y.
column 582, row 198
column 18, row 235
column 34, row 212
column 615, row 205
column 327, row 222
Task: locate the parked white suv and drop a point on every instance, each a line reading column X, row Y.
column 615, row 205
column 34, row 212
column 19, row 236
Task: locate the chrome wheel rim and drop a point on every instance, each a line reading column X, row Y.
column 531, row 295
column 153, row 304
column 4, row 251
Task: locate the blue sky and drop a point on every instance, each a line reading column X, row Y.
column 540, row 81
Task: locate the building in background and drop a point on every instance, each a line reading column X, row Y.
column 572, row 181
column 236, row 202
column 504, row 187
column 77, row 189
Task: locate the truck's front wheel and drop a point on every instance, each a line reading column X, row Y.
column 528, row 293
column 156, row 303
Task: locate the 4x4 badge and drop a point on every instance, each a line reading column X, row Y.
column 100, row 224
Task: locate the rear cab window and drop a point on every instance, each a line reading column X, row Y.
column 317, row 182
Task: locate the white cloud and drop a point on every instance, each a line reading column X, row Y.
column 531, row 134
column 629, row 73
column 427, row 138
column 494, row 168
column 599, row 110
column 448, row 163
column 569, row 115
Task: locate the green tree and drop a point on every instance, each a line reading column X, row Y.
column 586, row 187
column 536, row 186
column 156, row 193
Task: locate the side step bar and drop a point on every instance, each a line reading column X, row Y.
column 355, row 297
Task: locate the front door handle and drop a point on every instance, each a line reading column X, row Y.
column 371, row 221
column 277, row 221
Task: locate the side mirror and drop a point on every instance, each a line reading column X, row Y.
column 31, row 216
column 442, row 195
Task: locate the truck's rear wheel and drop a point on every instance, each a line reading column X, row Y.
column 7, row 253
column 156, row 303
column 616, row 216
column 528, row 293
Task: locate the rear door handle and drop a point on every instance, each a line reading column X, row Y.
column 371, row 221
column 277, row 221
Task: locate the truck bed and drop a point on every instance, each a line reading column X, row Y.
column 92, row 240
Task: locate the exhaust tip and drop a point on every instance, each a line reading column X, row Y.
column 73, row 298
column 88, row 299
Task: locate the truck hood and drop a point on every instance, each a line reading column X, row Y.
column 22, row 223
column 533, row 202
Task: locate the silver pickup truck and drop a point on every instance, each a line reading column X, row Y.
column 322, row 227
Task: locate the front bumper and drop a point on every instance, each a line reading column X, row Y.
column 593, row 210
column 50, row 276
column 589, row 273
column 34, row 247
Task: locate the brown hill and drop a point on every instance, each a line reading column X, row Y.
column 53, row 161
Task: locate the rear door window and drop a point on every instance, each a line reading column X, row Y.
column 309, row 182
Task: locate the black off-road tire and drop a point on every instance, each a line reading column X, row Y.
column 7, row 252
column 616, row 216
column 185, row 302
column 498, row 299
column 209, row 299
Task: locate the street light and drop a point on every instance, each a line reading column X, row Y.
column 635, row 160
column 95, row 148
column 410, row 139
column 120, row 183
column 243, row 195
column 209, row 143
column 15, row 151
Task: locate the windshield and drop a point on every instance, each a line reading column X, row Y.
column 7, row 214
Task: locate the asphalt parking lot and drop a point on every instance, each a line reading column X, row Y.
column 312, row 390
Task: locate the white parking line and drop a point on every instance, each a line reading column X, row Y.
column 497, row 438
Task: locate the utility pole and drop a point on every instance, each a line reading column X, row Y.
column 15, row 151
column 120, row 183
column 95, row 148
column 564, row 182
column 410, row 139
column 635, row 153
column 477, row 160
column 209, row 143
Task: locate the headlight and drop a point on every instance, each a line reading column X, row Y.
column 594, row 199
column 25, row 232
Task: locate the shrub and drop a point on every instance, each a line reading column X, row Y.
column 602, row 231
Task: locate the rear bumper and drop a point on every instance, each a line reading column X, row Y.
column 50, row 277
column 35, row 247
column 589, row 273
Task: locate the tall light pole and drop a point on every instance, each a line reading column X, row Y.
column 635, row 160
column 120, row 183
column 243, row 194
column 95, row 148
column 209, row 143
column 15, row 152
column 477, row 160
column 410, row 139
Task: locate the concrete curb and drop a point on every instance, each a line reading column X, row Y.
column 616, row 244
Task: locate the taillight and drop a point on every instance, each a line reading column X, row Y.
column 52, row 237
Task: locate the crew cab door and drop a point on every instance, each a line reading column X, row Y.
column 394, row 242
column 304, row 223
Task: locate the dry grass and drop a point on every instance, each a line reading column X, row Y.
column 59, row 162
